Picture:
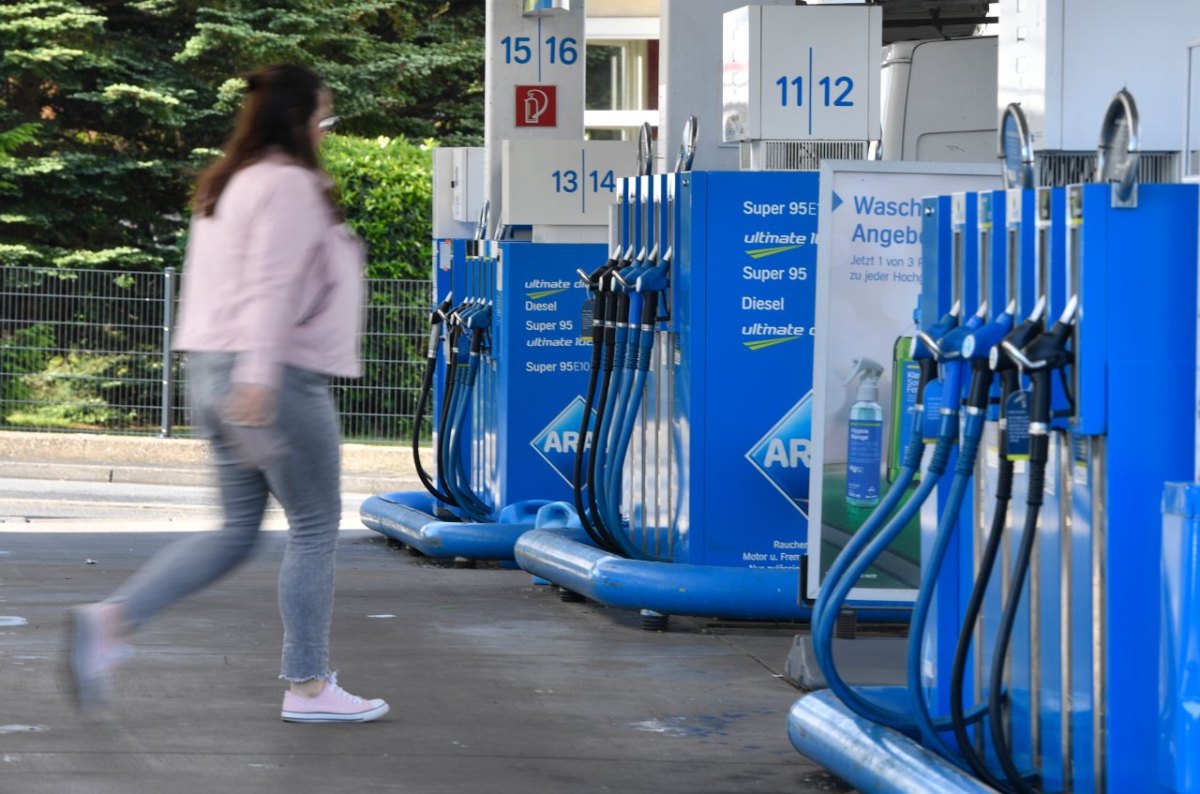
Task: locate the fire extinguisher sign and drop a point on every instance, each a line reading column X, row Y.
column 536, row 106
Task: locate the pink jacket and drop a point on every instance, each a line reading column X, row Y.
column 273, row 276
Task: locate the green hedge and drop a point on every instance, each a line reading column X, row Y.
column 385, row 186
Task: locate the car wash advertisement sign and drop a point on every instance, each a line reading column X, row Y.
column 869, row 276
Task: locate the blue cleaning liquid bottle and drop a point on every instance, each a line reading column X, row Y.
column 864, row 459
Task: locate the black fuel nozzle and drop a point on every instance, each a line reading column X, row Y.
column 477, row 337
column 598, row 284
column 594, row 279
column 436, row 318
column 454, row 316
column 450, row 318
column 649, row 310
column 438, row 315
column 1001, row 358
column 608, row 330
column 1041, row 358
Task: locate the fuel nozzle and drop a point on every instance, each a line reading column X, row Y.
column 479, row 322
column 926, row 348
column 1041, row 358
column 949, row 354
column 480, row 318
column 599, row 283
column 595, row 278
column 652, row 279
column 438, row 315
column 436, row 318
column 1001, row 358
column 977, row 348
column 454, row 318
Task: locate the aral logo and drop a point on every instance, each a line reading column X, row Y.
column 783, row 455
column 557, row 441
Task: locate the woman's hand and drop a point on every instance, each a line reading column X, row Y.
column 251, row 404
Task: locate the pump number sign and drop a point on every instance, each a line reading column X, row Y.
column 805, row 72
column 563, row 182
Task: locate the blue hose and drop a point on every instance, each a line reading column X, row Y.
column 448, row 460
column 604, row 425
column 863, row 547
column 617, row 465
column 910, row 464
column 952, row 382
column 448, row 457
column 610, row 500
column 823, row 635
column 963, row 473
column 639, row 366
column 457, row 481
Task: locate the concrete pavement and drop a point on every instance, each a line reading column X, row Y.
column 495, row 684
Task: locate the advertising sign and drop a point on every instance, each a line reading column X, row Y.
column 868, row 285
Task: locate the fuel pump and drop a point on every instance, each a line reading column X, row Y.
column 1095, row 419
column 703, row 495
column 506, row 421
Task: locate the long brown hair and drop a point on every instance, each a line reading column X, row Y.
column 279, row 102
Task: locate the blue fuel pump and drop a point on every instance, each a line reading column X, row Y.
column 722, row 266
column 514, row 339
column 1095, row 412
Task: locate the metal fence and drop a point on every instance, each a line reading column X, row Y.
column 87, row 351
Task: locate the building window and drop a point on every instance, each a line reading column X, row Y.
column 622, row 87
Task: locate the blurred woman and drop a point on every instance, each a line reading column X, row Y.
column 270, row 309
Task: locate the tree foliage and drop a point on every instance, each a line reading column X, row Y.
column 109, row 108
column 396, row 68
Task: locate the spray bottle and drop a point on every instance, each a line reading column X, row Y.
column 864, row 458
column 906, row 380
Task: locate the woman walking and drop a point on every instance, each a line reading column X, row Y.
column 270, row 309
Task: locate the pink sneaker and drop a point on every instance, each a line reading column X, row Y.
column 91, row 654
column 334, row 704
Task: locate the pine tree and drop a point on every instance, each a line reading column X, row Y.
column 411, row 68
column 97, row 181
column 108, row 109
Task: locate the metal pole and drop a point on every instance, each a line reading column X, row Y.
column 168, row 379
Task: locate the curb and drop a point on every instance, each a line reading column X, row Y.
column 150, row 460
column 183, row 476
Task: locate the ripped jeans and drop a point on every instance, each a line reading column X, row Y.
column 305, row 481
